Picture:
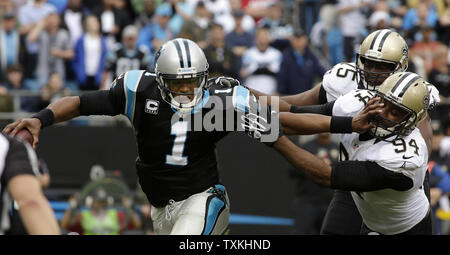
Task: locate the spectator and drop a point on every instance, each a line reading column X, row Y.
column 7, row 6
column 72, row 19
column 311, row 201
column 427, row 48
column 52, row 91
column 228, row 19
column 256, row 8
column 379, row 20
column 443, row 26
column 29, row 15
column 157, row 32
column 352, row 21
column 299, row 66
column 111, row 20
column 239, row 40
column 12, row 50
column 127, row 56
column 55, row 48
column 146, row 16
column 100, row 218
column 424, row 15
column 92, row 46
column 182, row 12
column 327, row 36
column 280, row 32
column 439, row 76
column 261, row 64
column 195, row 29
column 308, row 14
column 439, row 191
column 15, row 82
column 221, row 60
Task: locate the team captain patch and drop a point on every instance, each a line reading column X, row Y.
column 151, row 106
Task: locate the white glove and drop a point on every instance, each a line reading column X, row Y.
column 434, row 96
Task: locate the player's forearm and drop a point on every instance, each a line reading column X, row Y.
column 304, row 124
column 283, row 105
column 65, row 108
column 308, row 124
column 315, row 168
column 310, row 97
column 38, row 216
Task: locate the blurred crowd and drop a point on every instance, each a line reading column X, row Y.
column 56, row 48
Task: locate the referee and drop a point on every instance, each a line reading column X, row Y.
column 19, row 182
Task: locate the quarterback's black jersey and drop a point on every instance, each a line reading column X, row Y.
column 16, row 158
column 176, row 154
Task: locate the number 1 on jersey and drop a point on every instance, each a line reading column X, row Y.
column 179, row 129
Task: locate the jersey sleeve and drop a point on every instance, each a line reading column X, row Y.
column 339, row 80
column 351, row 103
column 21, row 159
column 405, row 155
column 119, row 99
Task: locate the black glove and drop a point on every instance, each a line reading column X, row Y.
column 223, row 81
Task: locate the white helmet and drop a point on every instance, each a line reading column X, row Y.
column 181, row 59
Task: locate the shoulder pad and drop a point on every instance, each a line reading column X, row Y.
column 352, row 103
column 339, row 80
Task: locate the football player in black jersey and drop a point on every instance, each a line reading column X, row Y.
column 176, row 164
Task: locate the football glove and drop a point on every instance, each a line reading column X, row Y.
column 223, row 81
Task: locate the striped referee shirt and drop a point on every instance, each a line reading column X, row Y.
column 16, row 158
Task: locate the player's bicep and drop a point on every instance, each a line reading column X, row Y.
column 104, row 102
column 364, row 176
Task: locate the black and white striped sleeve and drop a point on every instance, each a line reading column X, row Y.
column 20, row 159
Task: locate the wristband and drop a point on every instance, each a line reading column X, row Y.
column 340, row 124
column 46, row 117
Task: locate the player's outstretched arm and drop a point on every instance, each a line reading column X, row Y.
column 316, row 169
column 309, row 97
column 306, row 124
column 229, row 82
column 34, row 209
column 63, row 109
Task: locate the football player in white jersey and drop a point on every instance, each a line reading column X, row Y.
column 382, row 53
column 384, row 168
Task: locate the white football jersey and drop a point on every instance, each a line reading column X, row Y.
column 386, row 211
column 343, row 78
column 340, row 80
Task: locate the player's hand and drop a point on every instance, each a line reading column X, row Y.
column 263, row 129
column 223, row 81
column 434, row 96
column 362, row 122
column 32, row 124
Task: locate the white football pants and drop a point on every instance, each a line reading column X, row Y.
column 205, row 213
